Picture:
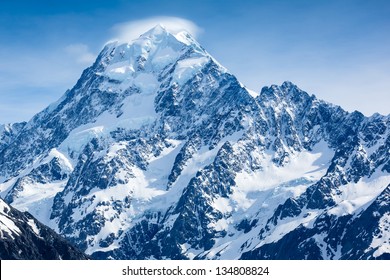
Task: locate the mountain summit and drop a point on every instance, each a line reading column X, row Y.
column 158, row 152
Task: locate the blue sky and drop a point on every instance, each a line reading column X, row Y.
column 338, row 50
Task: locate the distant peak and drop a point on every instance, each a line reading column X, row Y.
column 288, row 84
column 285, row 88
column 286, row 91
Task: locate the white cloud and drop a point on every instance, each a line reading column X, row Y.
column 128, row 31
column 81, row 53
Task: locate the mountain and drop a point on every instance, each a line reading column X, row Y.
column 8, row 132
column 23, row 237
column 158, row 152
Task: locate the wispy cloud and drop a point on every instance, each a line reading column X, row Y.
column 128, row 31
column 81, row 53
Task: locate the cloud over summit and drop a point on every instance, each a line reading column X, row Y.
column 128, row 31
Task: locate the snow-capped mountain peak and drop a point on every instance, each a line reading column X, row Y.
column 159, row 152
column 152, row 52
column 158, row 30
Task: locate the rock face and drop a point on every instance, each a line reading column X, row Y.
column 8, row 132
column 158, row 152
column 25, row 238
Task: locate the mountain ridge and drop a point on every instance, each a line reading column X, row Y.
column 157, row 143
column 23, row 237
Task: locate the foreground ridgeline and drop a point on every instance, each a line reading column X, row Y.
column 23, row 237
column 158, row 152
